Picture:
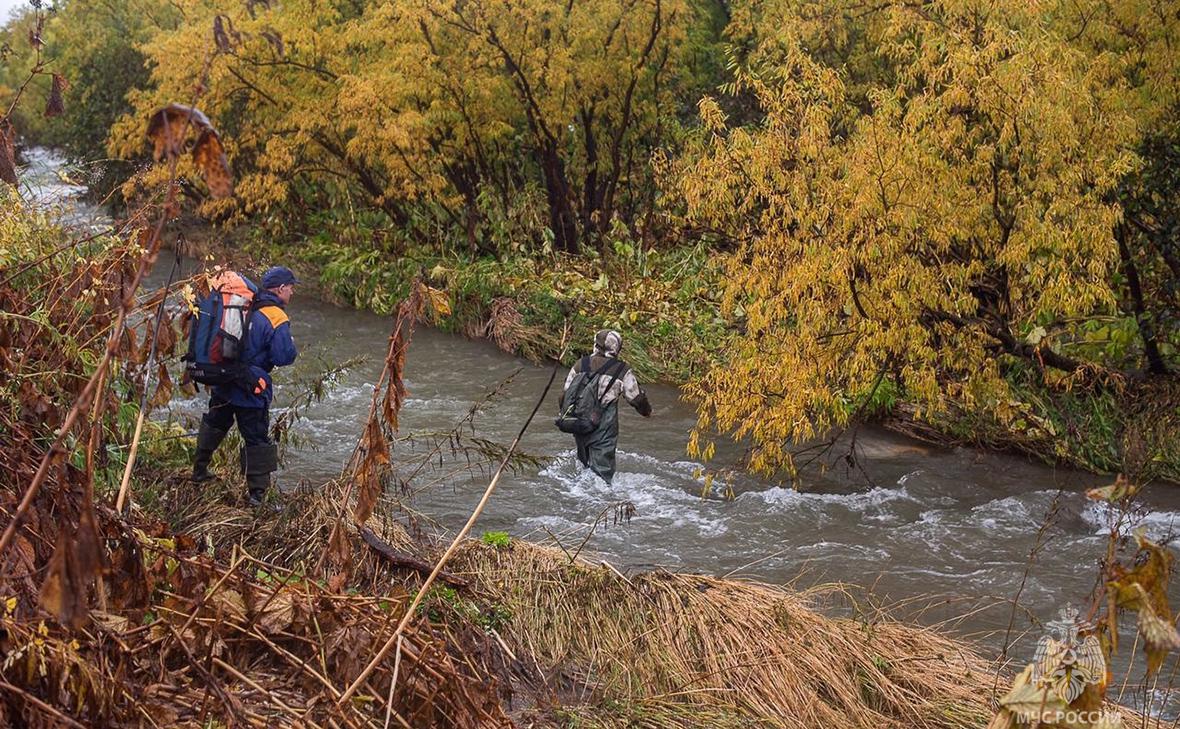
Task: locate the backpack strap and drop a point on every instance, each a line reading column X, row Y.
column 620, row 370
column 592, row 376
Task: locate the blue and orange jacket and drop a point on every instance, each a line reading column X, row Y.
column 268, row 345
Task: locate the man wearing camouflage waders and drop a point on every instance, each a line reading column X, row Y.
column 609, row 377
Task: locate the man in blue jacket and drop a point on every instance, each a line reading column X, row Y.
column 268, row 345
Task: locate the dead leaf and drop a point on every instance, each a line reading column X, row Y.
column 62, row 595
column 221, row 38
column 251, row 3
column 110, row 623
column 168, row 128
column 36, row 407
column 165, row 339
column 54, row 104
column 210, row 158
column 279, row 613
column 275, row 40
column 163, row 390
column 89, row 558
column 230, row 602
column 440, row 304
column 128, row 347
column 1028, row 701
column 339, row 551
column 1003, row 719
column 1119, row 490
column 8, row 154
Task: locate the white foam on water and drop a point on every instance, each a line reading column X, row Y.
column 943, row 574
column 1158, row 524
column 1009, row 517
column 858, row 501
column 840, row 549
column 655, row 502
column 436, row 402
column 361, row 391
column 901, row 481
column 1011, row 513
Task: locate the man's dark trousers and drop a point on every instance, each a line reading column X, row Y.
column 253, row 423
column 259, row 455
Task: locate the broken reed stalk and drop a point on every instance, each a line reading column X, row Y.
column 487, row 494
column 147, row 376
column 398, row 340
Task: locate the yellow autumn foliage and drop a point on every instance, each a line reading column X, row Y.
column 927, row 184
column 436, row 113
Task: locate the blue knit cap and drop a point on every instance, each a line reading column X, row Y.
column 277, row 276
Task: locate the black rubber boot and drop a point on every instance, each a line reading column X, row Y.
column 257, row 486
column 208, row 438
column 259, row 462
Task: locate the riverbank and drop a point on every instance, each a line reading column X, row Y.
column 569, row 643
column 668, row 304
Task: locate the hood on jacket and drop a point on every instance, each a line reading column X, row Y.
column 608, row 343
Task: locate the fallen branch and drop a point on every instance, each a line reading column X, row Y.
column 404, row 559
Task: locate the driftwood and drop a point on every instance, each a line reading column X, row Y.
column 405, row 559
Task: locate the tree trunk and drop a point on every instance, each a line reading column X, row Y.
column 562, row 219
column 1155, row 362
column 592, row 225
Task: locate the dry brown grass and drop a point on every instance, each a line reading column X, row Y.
column 659, row 649
column 690, row 650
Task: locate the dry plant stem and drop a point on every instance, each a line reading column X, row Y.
column 38, row 65
column 147, row 378
column 234, row 561
column 207, row 677
column 467, row 417
column 41, row 705
column 597, row 520
column 60, row 249
column 410, row 611
column 1042, row 531
column 397, row 662
column 88, row 392
column 395, row 339
column 558, row 543
column 269, row 696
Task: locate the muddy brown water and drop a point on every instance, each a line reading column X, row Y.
column 936, row 533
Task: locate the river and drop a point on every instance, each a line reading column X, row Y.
column 936, row 533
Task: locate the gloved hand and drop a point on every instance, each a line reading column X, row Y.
column 260, row 386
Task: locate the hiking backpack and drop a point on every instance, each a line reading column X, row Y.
column 581, row 410
column 217, row 335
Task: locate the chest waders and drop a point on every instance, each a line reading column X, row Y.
column 596, row 450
